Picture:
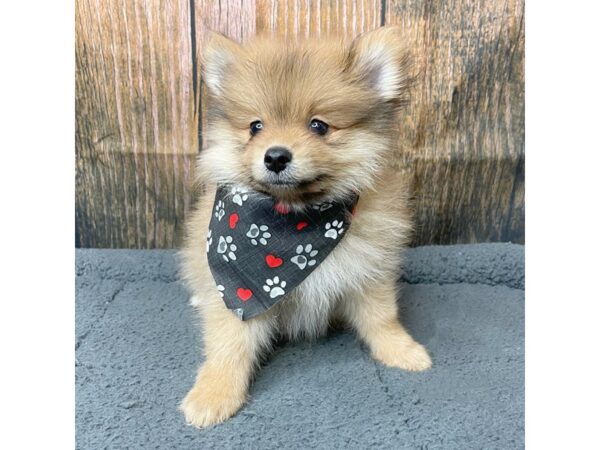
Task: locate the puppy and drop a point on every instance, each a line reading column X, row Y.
column 310, row 128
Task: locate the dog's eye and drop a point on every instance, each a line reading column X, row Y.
column 318, row 126
column 256, row 127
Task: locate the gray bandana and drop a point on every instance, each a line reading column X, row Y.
column 258, row 252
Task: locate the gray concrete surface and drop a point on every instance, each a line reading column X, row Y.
column 138, row 346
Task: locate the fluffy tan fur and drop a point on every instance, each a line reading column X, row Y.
column 356, row 88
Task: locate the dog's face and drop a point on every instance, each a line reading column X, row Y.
column 304, row 122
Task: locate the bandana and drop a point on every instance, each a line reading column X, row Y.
column 259, row 251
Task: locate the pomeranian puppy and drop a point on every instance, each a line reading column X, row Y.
column 303, row 216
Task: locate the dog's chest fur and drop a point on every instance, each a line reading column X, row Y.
column 370, row 252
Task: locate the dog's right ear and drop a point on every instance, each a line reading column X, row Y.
column 217, row 54
column 381, row 60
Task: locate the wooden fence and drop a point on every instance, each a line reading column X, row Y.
column 140, row 109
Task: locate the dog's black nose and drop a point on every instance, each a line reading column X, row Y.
column 277, row 158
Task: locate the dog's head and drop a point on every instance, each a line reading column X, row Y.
column 302, row 122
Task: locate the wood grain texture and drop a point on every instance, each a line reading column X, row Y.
column 141, row 109
column 136, row 132
column 462, row 136
column 296, row 19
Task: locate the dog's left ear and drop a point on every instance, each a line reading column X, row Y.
column 380, row 59
column 218, row 54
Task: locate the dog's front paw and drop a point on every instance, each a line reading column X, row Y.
column 412, row 356
column 203, row 408
column 211, row 402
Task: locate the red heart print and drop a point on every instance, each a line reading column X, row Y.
column 301, row 225
column 273, row 261
column 244, row 294
column 233, row 220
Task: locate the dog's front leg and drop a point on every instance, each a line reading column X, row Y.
column 374, row 315
column 232, row 348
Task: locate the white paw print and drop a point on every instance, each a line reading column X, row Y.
column 324, row 206
column 226, row 248
column 219, row 210
column 240, row 195
column 208, row 240
column 221, row 288
column 334, row 229
column 274, row 287
column 302, row 260
column 255, row 231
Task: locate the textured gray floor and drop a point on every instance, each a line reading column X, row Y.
column 138, row 344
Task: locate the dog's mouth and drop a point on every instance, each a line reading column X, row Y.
column 297, row 184
column 294, row 190
column 292, row 183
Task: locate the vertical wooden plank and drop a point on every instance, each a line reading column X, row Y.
column 463, row 133
column 296, row 19
column 136, row 131
column 234, row 18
